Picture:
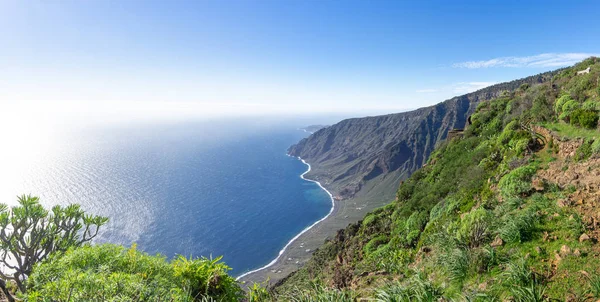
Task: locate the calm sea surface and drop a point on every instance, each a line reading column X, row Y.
column 198, row 189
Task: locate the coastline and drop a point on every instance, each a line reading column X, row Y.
column 298, row 251
column 283, row 250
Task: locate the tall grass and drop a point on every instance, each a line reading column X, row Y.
column 518, row 227
column 534, row 292
column 418, row 289
column 523, row 284
column 319, row 293
column 571, row 131
column 594, row 286
column 457, row 265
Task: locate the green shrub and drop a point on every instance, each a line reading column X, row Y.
column 594, row 286
column 318, row 293
column 533, row 292
column 584, row 118
column 259, row 293
column 523, row 284
column 493, row 127
column 596, row 146
column 560, row 102
column 412, row 237
column 418, row 289
column 519, row 146
column 591, row 105
column 111, row 272
column 473, row 228
column 581, row 85
column 31, row 234
column 541, row 110
column 506, row 136
column 509, row 107
column 410, row 230
column 457, row 263
column 518, row 227
column 524, row 86
column 484, row 259
column 390, row 259
column 512, row 204
column 204, row 277
column 517, row 140
column 438, row 210
column 369, row 219
column 374, row 243
column 482, row 105
column 584, row 151
column 517, row 273
column 518, row 181
column 567, row 109
column 575, row 226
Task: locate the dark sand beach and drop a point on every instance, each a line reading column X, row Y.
column 300, row 250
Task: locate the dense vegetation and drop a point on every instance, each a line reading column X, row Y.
column 30, row 234
column 113, row 273
column 478, row 223
column 47, row 257
column 363, row 159
column 488, row 218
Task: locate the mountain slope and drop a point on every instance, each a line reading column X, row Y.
column 366, row 158
column 506, row 212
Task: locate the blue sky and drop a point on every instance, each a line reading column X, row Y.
column 199, row 58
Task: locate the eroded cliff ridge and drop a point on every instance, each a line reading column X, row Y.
column 366, row 158
column 505, row 211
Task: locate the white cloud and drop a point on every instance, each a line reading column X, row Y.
column 467, row 87
column 426, row 90
column 541, row 60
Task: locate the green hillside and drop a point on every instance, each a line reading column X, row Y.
column 507, row 210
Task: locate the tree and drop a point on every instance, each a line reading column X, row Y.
column 29, row 234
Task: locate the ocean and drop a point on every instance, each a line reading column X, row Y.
column 218, row 188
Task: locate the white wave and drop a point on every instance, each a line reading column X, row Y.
column 299, row 234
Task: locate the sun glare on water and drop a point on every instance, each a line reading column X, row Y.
column 29, row 139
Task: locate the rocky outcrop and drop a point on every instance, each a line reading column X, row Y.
column 565, row 147
column 368, row 157
column 584, row 179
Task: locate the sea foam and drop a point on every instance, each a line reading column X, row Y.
column 303, row 231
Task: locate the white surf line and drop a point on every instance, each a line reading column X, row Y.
column 306, row 132
column 299, row 234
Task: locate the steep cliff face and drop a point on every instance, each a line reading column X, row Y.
column 367, row 157
column 509, row 211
